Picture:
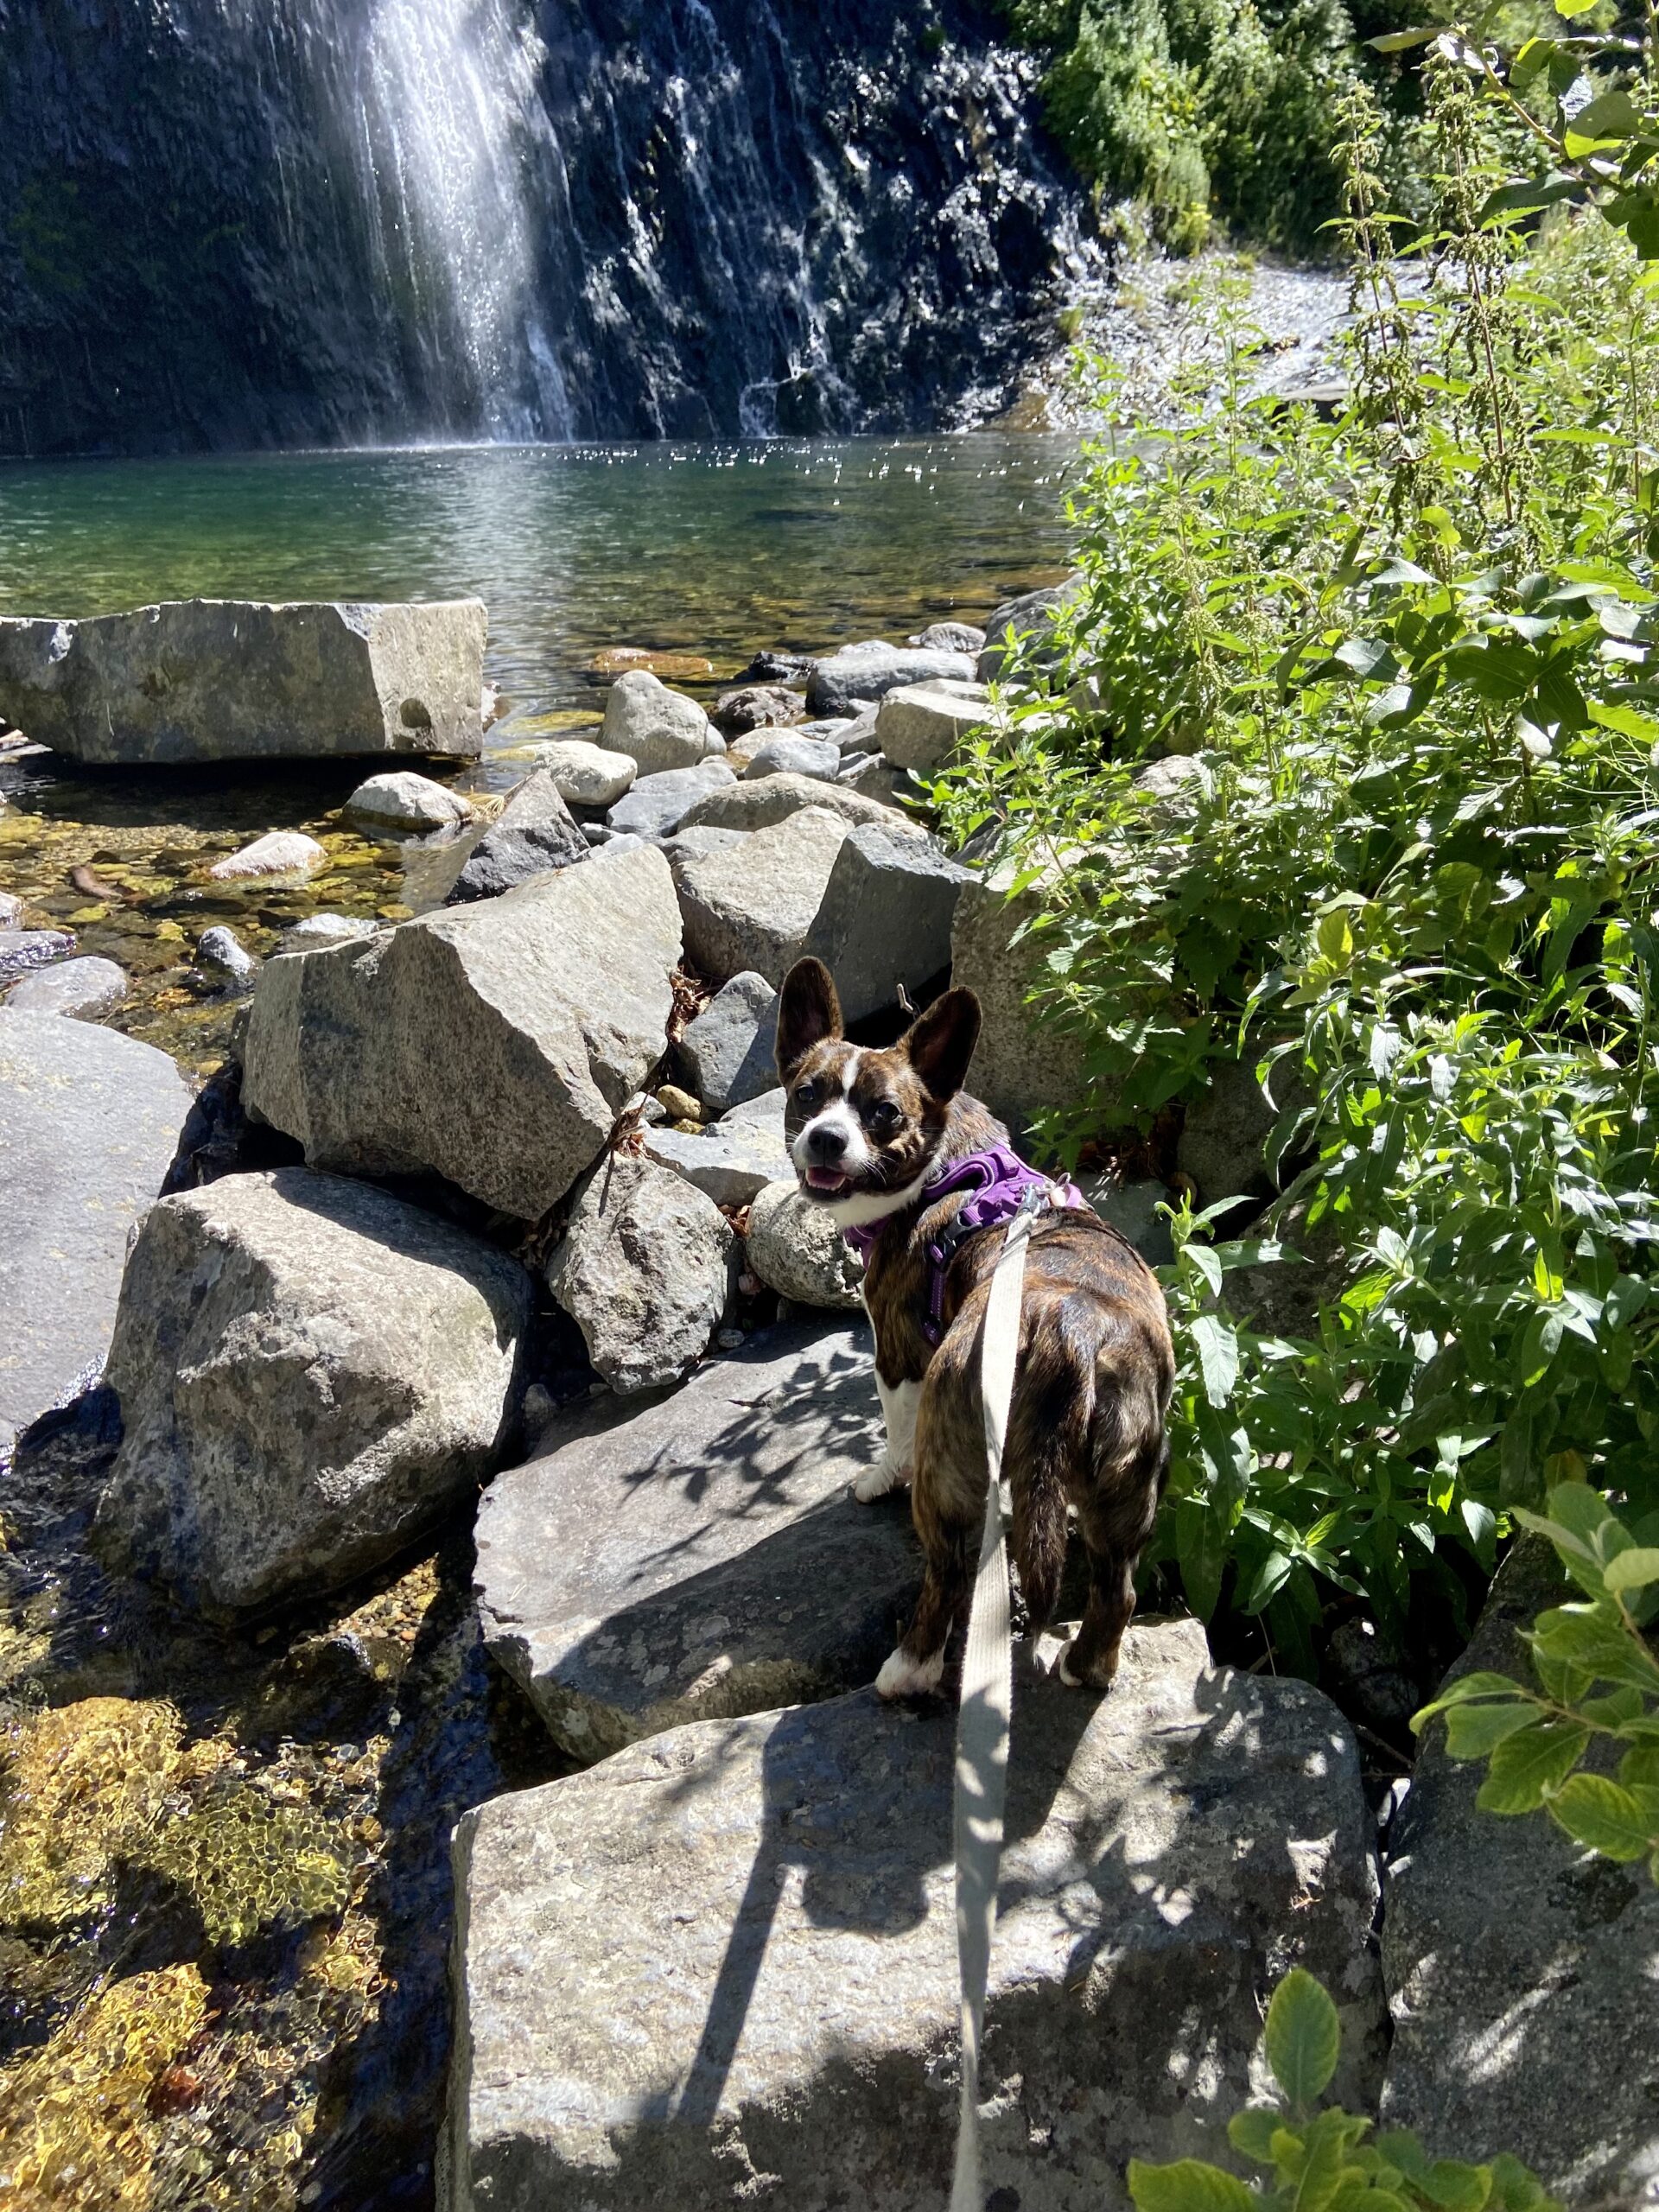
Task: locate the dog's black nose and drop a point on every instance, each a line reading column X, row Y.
column 826, row 1142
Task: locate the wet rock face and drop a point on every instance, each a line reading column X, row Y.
column 793, row 219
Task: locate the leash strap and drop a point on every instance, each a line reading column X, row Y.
column 982, row 1718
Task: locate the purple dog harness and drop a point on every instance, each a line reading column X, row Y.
column 1001, row 1184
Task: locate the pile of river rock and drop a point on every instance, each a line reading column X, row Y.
column 715, row 1965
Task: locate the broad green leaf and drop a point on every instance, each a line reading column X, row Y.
column 1304, row 2038
column 1252, row 2131
column 1602, row 1816
column 1481, row 1683
column 1632, row 1570
column 1188, row 2186
column 1402, row 41
column 1526, row 1766
column 1217, row 1348
column 1474, row 1732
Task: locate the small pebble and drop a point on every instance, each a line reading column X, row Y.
column 729, row 1339
column 679, row 1105
column 11, row 911
column 748, row 1286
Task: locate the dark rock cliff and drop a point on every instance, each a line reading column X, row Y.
column 263, row 222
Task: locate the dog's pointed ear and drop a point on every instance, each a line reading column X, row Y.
column 808, row 1012
column 941, row 1042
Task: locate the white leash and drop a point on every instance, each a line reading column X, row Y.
column 983, row 1716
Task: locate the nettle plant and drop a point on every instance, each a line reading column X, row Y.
column 1316, row 2160
column 1403, row 868
column 1597, row 1690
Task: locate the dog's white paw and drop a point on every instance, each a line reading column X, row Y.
column 1063, row 1667
column 903, row 1676
column 888, row 1473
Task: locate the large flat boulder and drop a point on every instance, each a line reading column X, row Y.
column 704, row 1556
column 494, row 1043
column 1520, row 1968
column 89, row 1122
column 920, row 725
column 886, row 918
column 720, row 1966
column 774, row 797
column 310, row 1369
column 749, row 908
column 224, row 679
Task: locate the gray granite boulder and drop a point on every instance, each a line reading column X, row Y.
column 89, row 1122
column 223, row 953
column 920, row 725
column 726, row 1051
column 1132, row 1208
column 1226, row 1128
column 209, row 679
column 81, row 989
column 886, row 918
column 756, row 706
column 644, row 1270
column 1024, row 1064
column 729, row 1953
column 309, row 1371
column 730, row 1160
column 951, row 637
column 495, row 1043
column 410, row 805
column 795, row 756
column 796, row 1249
column 1519, row 1967
column 773, row 800
column 750, row 906
column 535, row 831
column 657, row 805
column 585, row 774
column 659, row 728
column 21, row 950
column 870, row 670
column 705, row 1555
column 686, row 845
column 1030, row 617
column 315, row 930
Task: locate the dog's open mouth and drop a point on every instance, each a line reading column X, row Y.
column 829, row 1180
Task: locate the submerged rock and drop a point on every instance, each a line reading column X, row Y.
column 659, row 728
column 886, row 918
column 535, row 831
column 731, row 1950
column 703, row 1556
column 870, row 670
column 749, row 906
column 205, row 679
column 643, row 1270
column 796, row 1249
column 315, row 930
column 403, row 800
column 90, row 1122
column 494, row 1043
column 727, row 1049
column 309, row 1371
column 279, row 852
column 221, row 948
column 81, row 988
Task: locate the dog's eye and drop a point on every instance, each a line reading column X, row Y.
column 883, row 1117
column 808, row 1094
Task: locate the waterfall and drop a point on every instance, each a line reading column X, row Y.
column 456, row 135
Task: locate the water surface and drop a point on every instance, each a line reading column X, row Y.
column 713, row 550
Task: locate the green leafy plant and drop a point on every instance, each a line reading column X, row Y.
column 1326, row 2160
column 1598, row 1688
column 1340, row 771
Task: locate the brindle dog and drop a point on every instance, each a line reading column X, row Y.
column 869, row 1132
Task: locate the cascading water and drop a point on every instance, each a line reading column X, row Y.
column 455, row 129
column 274, row 222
